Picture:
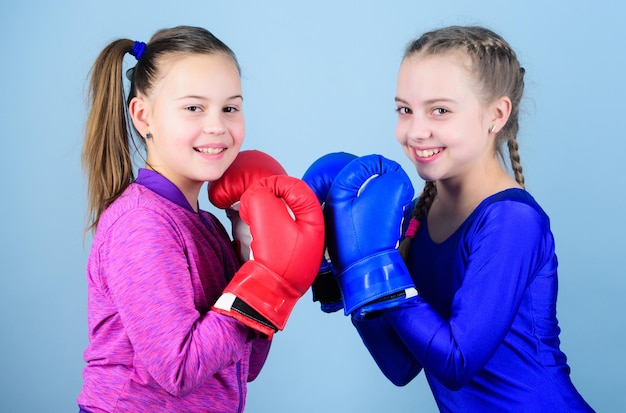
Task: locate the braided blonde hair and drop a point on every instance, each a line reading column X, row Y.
column 497, row 71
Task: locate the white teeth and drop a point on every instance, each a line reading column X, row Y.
column 210, row 151
column 427, row 153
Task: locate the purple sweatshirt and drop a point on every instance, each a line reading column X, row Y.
column 154, row 270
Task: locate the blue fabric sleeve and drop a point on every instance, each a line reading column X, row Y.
column 502, row 250
column 391, row 355
column 393, row 358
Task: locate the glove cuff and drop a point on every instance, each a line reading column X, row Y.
column 373, row 277
column 265, row 292
column 230, row 305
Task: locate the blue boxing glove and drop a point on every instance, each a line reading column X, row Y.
column 363, row 217
column 319, row 177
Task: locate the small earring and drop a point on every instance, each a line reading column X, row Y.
column 148, row 135
column 493, row 128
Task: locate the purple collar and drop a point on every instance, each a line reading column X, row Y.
column 159, row 184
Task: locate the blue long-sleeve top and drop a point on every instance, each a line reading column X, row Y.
column 484, row 326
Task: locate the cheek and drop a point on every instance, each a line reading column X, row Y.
column 401, row 133
column 401, row 137
column 238, row 132
column 408, row 151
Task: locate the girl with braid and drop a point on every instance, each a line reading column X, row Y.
column 479, row 248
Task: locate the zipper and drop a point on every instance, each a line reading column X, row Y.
column 240, row 409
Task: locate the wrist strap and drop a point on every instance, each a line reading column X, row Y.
column 230, row 302
column 244, row 309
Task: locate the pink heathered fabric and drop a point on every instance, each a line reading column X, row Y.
column 154, row 270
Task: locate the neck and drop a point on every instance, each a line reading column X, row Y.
column 189, row 188
column 464, row 193
column 191, row 193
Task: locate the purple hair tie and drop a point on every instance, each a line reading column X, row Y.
column 412, row 229
column 138, row 49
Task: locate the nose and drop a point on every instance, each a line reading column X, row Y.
column 418, row 129
column 214, row 123
column 412, row 129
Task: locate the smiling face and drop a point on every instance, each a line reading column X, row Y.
column 443, row 126
column 194, row 114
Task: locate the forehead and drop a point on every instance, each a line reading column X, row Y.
column 431, row 75
column 183, row 71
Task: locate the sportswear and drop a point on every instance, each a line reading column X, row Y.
column 484, row 326
column 155, row 268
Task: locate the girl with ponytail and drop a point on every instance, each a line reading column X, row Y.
column 158, row 262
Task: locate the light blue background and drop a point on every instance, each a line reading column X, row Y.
column 318, row 77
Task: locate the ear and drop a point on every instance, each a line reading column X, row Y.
column 138, row 111
column 501, row 110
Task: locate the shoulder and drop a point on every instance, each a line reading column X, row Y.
column 511, row 216
column 513, row 203
column 139, row 209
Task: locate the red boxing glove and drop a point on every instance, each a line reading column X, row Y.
column 225, row 193
column 287, row 227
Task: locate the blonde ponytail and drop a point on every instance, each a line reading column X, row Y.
column 106, row 155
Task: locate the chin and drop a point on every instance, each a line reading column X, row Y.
column 424, row 175
column 211, row 175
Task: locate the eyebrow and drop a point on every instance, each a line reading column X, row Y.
column 204, row 97
column 428, row 102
